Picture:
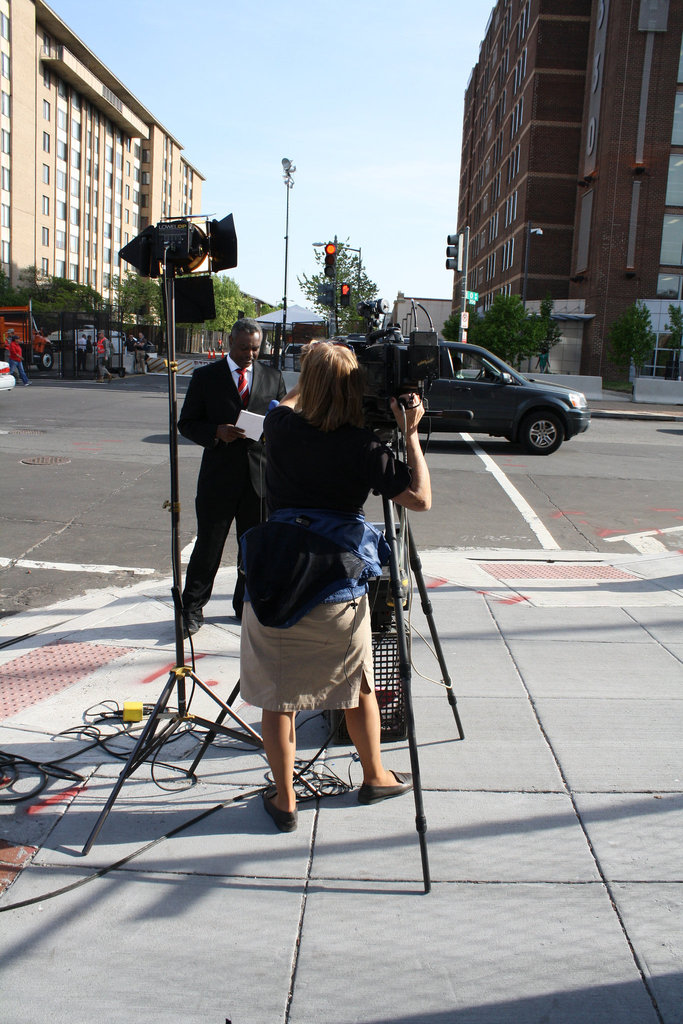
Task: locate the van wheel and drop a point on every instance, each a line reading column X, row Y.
column 46, row 361
column 541, row 433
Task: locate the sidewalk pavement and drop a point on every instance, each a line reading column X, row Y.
column 554, row 828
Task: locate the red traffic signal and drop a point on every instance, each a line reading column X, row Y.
column 345, row 294
column 330, row 259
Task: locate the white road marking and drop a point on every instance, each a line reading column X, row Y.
column 187, row 551
column 26, row 563
column 544, row 536
column 645, row 542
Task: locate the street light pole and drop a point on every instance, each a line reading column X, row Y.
column 288, row 169
column 529, row 232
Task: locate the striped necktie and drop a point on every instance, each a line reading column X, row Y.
column 243, row 387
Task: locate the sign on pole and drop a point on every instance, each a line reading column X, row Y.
column 465, row 319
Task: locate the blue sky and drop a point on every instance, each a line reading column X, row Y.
column 366, row 99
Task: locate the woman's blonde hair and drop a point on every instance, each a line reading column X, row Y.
column 331, row 387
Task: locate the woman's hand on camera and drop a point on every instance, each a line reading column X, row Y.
column 408, row 411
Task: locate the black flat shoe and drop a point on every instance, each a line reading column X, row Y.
column 192, row 623
column 286, row 821
column 373, row 794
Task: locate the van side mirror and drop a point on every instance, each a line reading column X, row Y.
column 507, row 378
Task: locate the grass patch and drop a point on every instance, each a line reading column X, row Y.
column 618, row 385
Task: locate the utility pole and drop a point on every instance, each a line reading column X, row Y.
column 464, row 320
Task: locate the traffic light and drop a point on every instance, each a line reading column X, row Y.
column 330, row 259
column 326, row 293
column 454, row 252
column 345, row 294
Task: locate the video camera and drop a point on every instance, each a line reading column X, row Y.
column 392, row 366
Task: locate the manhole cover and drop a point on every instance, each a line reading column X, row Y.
column 32, row 433
column 45, row 460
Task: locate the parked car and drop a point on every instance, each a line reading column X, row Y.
column 7, row 381
column 479, row 393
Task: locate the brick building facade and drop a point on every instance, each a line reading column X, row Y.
column 84, row 166
column 570, row 180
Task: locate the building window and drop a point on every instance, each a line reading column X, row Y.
column 75, row 159
column 680, row 63
column 61, row 180
column 45, row 266
column 47, row 81
column 46, row 236
column 672, row 241
column 46, row 205
column 5, row 141
column 62, row 150
column 5, row 215
column 5, row 66
column 4, row 26
column 46, row 174
column 76, row 130
column 61, row 210
column 46, row 142
column 5, row 104
column 5, row 179
column 669, row 286
column 75, row 215
column 46, row 110
column 145, row 156
column 60, row 268
column 5, row 252
column 677, row 132
column 674, row 184
column 60, row 239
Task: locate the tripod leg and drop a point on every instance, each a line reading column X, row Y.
column 416, row 566
column 405, row 677
column 135, row 759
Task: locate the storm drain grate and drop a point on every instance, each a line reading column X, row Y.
column 28, row 433
column 39, row 674
column 45, row 460
column 555, row 571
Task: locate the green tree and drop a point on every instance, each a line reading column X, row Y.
column 631, row 337
column 675, row 326
column 55, row 294
column 139, row 299
column 230, row 301
column 546, row 330
column 506, row 330
column 349, row 269
column 451, row 327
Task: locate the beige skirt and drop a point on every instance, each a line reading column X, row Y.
column 320, row 662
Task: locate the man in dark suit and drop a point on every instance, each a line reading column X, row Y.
column 231, row 477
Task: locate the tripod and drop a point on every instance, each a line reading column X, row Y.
column 404, row 667
column 156, row 732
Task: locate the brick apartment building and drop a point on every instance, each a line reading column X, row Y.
column 572, row 166
column 84, row 166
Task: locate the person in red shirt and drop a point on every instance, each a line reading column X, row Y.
column 16, row 359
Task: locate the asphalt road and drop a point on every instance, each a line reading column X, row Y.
column 88, row 512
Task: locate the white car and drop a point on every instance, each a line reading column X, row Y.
column 7, row 380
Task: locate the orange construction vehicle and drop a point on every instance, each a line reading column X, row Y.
column 38, row 350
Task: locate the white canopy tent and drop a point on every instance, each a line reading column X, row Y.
column 295, row 315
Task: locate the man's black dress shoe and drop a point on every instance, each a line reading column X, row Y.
column 373, row 794
column 192, row 622
column 286, row 821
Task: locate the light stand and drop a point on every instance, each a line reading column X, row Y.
column 288, row 169
column 156, row 733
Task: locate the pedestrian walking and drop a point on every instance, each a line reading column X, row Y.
column 16, row 359
column 101, row 355
column 81, row 349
